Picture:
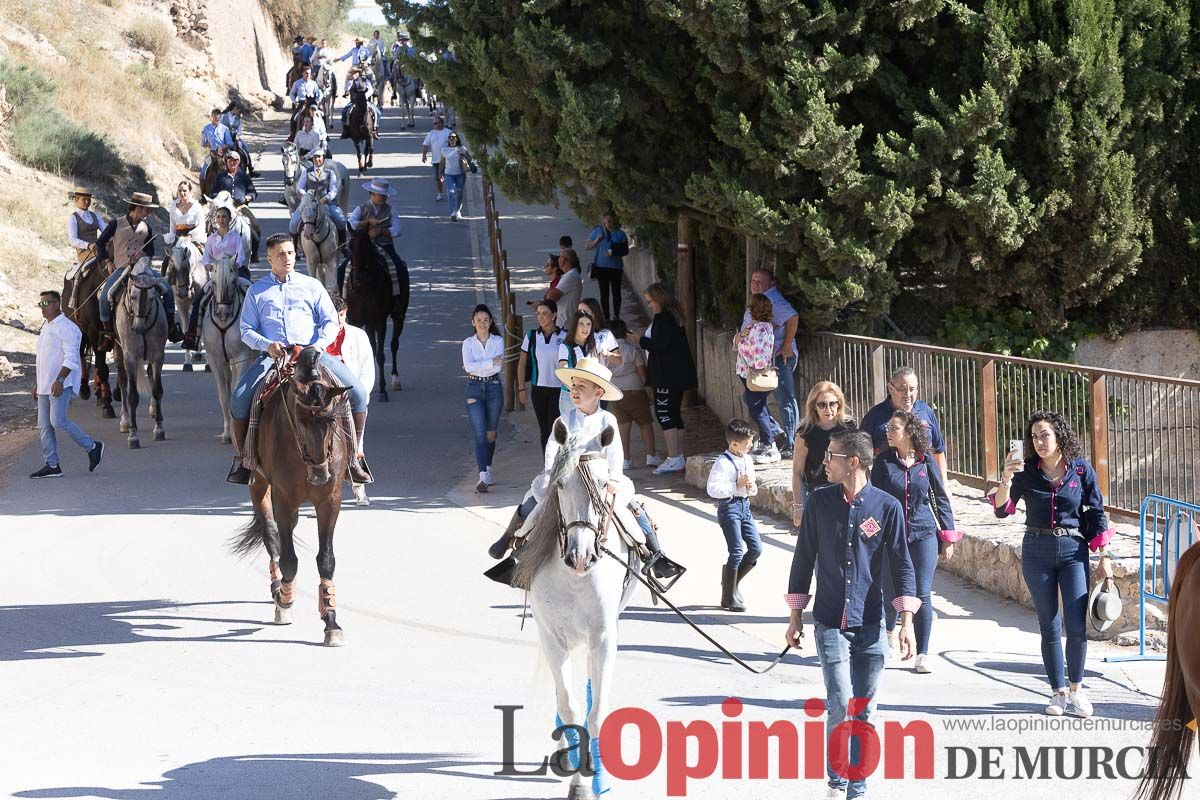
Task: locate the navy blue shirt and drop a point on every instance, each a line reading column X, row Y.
column 1074, row 502
column 912, row 487
column 239, row 186
column 845, row 543
column 875, row 423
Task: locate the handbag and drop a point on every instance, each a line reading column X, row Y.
column 762, row 380
column 937, row 521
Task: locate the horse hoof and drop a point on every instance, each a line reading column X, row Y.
column 85, row 393
column 207, row 368
column 283, row 616
column 123, row 427
column 335, row 638
column 160, row 436
column 108, row 413
column 396, row 383
column 187, row 366
column 225, row 439
column 134, row 444
column 580, row 793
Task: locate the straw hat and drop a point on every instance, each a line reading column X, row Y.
column 142, row 199
column 1104, row 605
column 590, row 369
column 79, row 191
column 379, row 186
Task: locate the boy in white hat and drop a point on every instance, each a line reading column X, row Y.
column 590, row 382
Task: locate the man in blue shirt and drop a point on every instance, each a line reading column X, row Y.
column 306, row 50
column 784, row 321
column 611, row 246
column 902, row 396
column 851, row 532
column 283, row 309
column 215, row 137
column 305, row 88
column 359, row 55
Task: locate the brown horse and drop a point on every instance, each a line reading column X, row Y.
column 1173, row 739
column 87, row 317
column 369, row 303
column 303, row 450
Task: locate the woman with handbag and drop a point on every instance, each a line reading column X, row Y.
column 755, row 347
column 611, row 245
column 906, row 471
column 825, row 413
column 456, row 160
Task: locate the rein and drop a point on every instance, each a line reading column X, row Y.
column 287, row 372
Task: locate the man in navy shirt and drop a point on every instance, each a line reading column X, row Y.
column 851, row 532
column 902, row 396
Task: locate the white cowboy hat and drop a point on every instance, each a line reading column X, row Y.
column 379, row 186
column 80, row 191
column 1104, row 604
column 590, row 369
column 142, row 199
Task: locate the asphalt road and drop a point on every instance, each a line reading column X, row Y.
column 137, row 658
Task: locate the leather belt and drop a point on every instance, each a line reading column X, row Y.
column 484, row 380
column 1055, row 531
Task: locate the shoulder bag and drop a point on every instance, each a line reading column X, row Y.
column 762, row 380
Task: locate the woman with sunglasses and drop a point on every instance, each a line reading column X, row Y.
column 825, row 413
column 455, row 161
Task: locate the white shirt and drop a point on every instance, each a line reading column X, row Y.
column 309, row 140
column 722, row 480
column 591, row 425
column 545, row 351
column 357, row 355
column 73, row 227
column 477, row 357
column 571, row 286
column 435, row 140
column 190, row 217
column 58, row 347
column 605, row 341
column 228, row 246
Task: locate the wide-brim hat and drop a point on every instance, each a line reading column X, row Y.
column 79, row 191
column 358, row 40
column 142, row 199
column 590, row 369
column 379, row 186
column 1104, row 605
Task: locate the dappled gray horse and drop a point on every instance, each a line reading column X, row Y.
column 227, row 353
column 141, row 324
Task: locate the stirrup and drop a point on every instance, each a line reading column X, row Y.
column 659, row 562
column 359, row 471
column 504, row 572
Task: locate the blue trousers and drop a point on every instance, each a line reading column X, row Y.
column 785, row 396
column 924, row 555
column 851, row 662
column 454, row 189
column 243, row 394
column 1054, row 565
column 485, row 400
column 741, row 531
column 120, row 275
column 52, row 417
column 756, row 402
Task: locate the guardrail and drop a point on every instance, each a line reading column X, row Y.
column 512, row 324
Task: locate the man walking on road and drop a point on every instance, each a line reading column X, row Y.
column 435, row 140
column 58, row 372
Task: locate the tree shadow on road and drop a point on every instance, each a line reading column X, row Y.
column 344, row 776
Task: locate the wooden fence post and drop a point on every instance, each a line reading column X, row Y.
column 879, row 375
column 687, row 284
column 1099, row 420
column 987, row 390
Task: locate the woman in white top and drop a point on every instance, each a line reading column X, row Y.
column 483, row 358
column 353, row 347
column 578, row 343
column 186, row 223
column 455, row 156
column 308, row 138
column 606, row 343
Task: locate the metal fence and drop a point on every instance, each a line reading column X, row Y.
column 1141, row 432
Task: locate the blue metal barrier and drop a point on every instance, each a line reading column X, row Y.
column 1168, row 528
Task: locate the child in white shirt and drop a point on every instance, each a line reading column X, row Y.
column 731, row 482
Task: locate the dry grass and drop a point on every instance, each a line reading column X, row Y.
column 154, row 36
column 304, row 17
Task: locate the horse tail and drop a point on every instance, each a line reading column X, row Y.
column 251, row 537
column 1171, row 743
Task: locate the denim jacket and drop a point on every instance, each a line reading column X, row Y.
column 1074, row 502
column 911, row 486
column 845, row 543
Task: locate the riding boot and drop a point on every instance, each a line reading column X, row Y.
column 738, row 601
column 744, row 568
column 238, row 472
column 174, row 332
column 729, row 600
column 107, row 337
column 359, row 471
column 500, row 546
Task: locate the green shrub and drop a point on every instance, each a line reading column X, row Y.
column 307, row 17
column 152, row 35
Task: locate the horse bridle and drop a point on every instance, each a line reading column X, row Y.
column 606, row 509
column 287, row 373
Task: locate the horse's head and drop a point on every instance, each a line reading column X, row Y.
column 316, row 409
column 579, row 478
column 310, row 212
column 291, row 163
column 141, row 298
column 225, row 289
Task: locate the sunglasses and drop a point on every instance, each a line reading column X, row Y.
column 46, row 303
column 830, row 405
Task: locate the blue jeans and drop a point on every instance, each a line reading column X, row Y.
column 454, row 190
column 756, row 402
column 52, row 417
column 106, row 313
column 485, row 399
column 785, row 396
column 741, row 531
column 851, row 662
column 924, row 555
column 243, row 394
column 1053, row 565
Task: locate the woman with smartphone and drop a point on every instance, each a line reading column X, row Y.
column 1064, row 519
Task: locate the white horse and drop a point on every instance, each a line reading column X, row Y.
column 291, row 172
column 318, row 237
column 578, row 598
column 227, row 353
column 187, row 277
column 404, row 94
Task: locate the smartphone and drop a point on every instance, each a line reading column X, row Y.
column 1017, row 447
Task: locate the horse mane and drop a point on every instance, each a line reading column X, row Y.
column 541, row 541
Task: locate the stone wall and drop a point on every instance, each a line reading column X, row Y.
column 1175, row 353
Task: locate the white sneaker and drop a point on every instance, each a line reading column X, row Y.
column 922, row 666
column 360, row 495
column 676, row 464
column 1058, row 704
column 487, row 477
column 834, row 793
column 653, row 461
column 1078, row 704
column 627, row 465
column 769, row 455
column 482, row 486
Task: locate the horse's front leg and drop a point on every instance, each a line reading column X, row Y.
column 602, row 660
column 224, row 380
column 103, row 387
column 378, row 336
column 130, row 400
column 160, row 432
column 327, row 515
column 284, row 563
column 568, row 757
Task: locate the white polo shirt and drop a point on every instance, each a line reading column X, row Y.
column 545, row 357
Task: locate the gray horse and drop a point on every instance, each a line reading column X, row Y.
column 141, row 323
column 227, row 353
column 318, row 236
column 186, row 275
column 404, row 94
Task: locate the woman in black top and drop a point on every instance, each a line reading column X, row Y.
column 670, row 368
column 825, row 413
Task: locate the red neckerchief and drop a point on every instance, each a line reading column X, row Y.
column 335, row 348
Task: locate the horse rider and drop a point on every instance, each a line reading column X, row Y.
column 360, row 89
column 83, row 229
column 185, row 219
column 320, row 57
column 217, row 137
column 298, row 51
column 241, row 191
column 284, row 309
column 305, row 88
column 401, row 47
column 127, row 242
column 308, row 139
column 378, row 46
column 307, row 50
column 325, row 183
column 231, row 118
column 359, row 55
column 382, row 224
column 224, row 242
column 590, row 382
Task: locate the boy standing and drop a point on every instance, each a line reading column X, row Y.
column 731, row 482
